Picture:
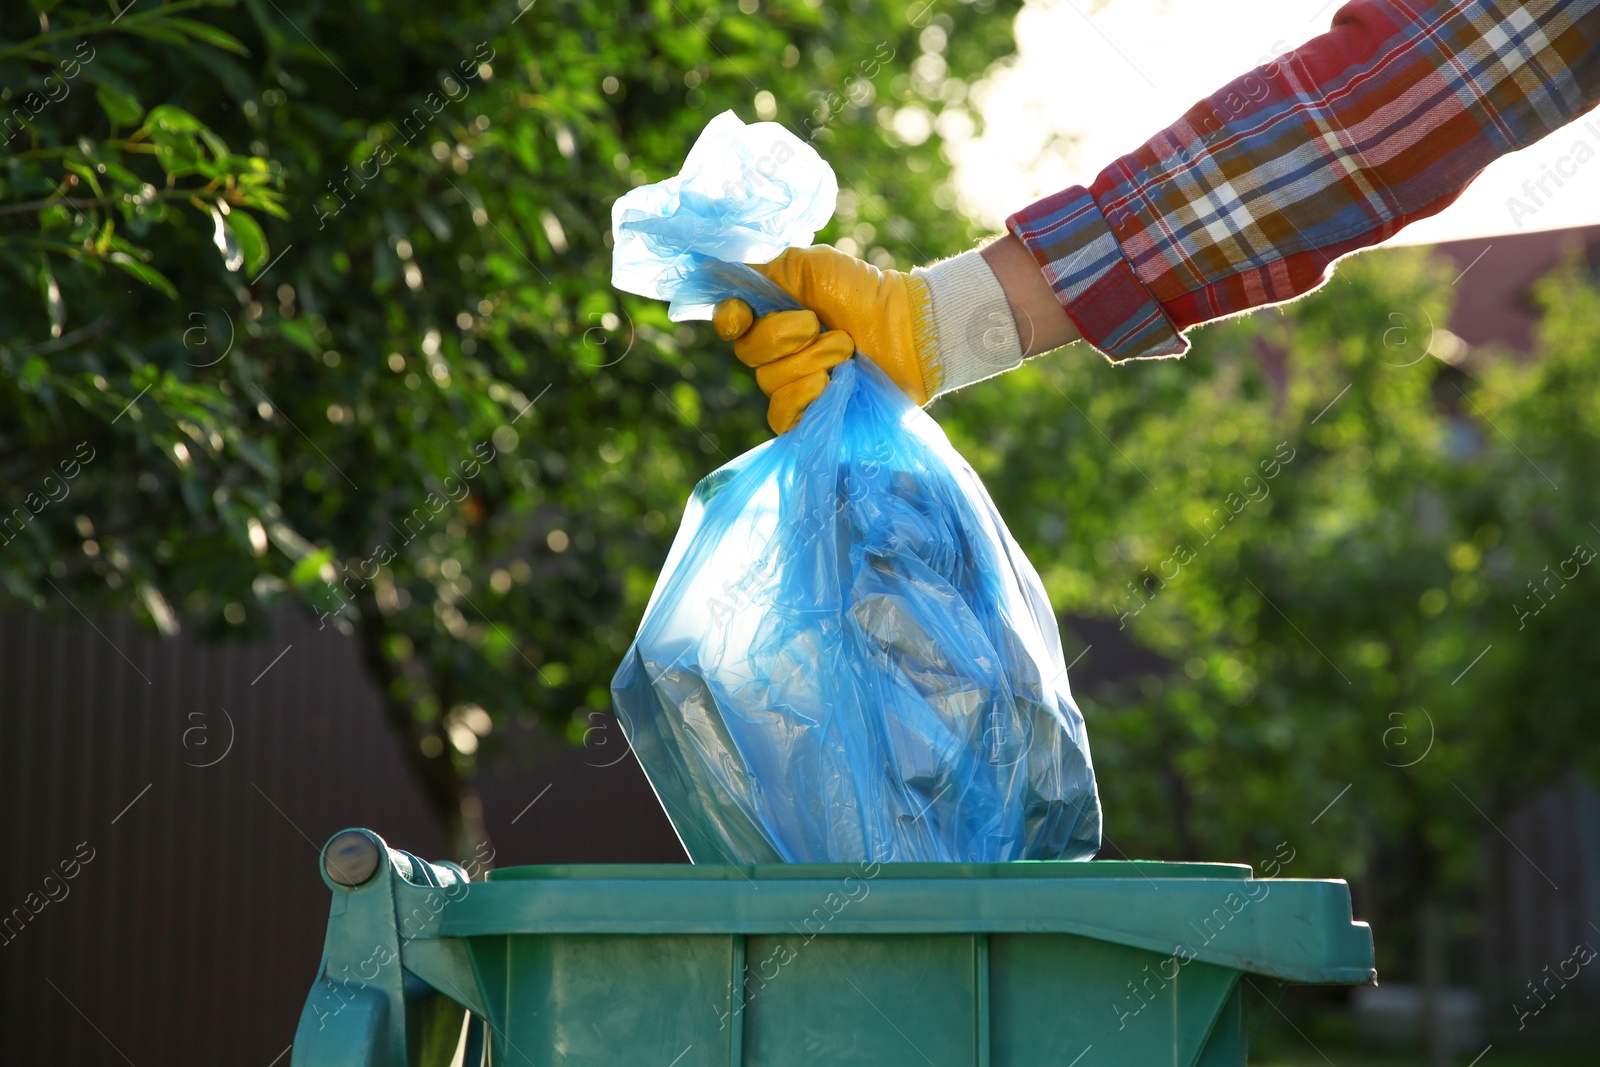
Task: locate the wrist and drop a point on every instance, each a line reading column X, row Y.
column 1041, row 320
column 973, row 332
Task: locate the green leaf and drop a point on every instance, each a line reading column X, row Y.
column 34, row 370
column 219, row 147
column 157, row 31
column 116, row 172
column 239, row 85
column 53, row 302
column 122, row 108
column 299, row 334
column 252, row 242
column 172, row 119
column 200, row 31
column 226, row 241
column 306, row 571
column 90, row 178
column 254, row 454
column 148, row 275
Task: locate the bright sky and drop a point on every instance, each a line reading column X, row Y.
column 1092, row 81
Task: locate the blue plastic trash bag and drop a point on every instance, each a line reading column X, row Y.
column 846, row 656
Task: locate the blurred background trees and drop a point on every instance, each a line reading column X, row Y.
column 313, row 300
column 1385, row 637
column 324, row 289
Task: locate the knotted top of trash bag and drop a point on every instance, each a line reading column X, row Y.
column 744, row 195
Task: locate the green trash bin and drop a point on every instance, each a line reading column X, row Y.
column 1129, row 964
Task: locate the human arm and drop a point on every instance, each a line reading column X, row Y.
column 1250, row 197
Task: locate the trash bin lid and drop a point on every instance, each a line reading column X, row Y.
column 1297, row 930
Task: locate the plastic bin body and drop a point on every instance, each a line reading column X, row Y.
column 1105, row 963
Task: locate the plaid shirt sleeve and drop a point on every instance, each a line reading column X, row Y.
column 1250, row 197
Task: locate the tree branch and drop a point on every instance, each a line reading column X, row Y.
column 67, row 340
column 99, row 201
column 108, row 26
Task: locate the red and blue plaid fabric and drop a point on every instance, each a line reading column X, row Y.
column 1251, row 196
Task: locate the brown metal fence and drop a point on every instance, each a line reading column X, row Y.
column 163, row 802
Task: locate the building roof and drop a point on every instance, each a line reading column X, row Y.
column 1495, row 300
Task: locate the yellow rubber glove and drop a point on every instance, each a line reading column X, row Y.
column 886, row 314
column 934, row 330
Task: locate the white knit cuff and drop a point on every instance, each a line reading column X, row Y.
column 977, row 334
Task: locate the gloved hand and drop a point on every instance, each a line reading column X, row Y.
column 932, row 331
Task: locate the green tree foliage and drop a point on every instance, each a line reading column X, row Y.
column 376, row 365
column 1327, row 537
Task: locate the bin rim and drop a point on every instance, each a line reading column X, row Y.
column 1291, row 929
column 720, row 872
